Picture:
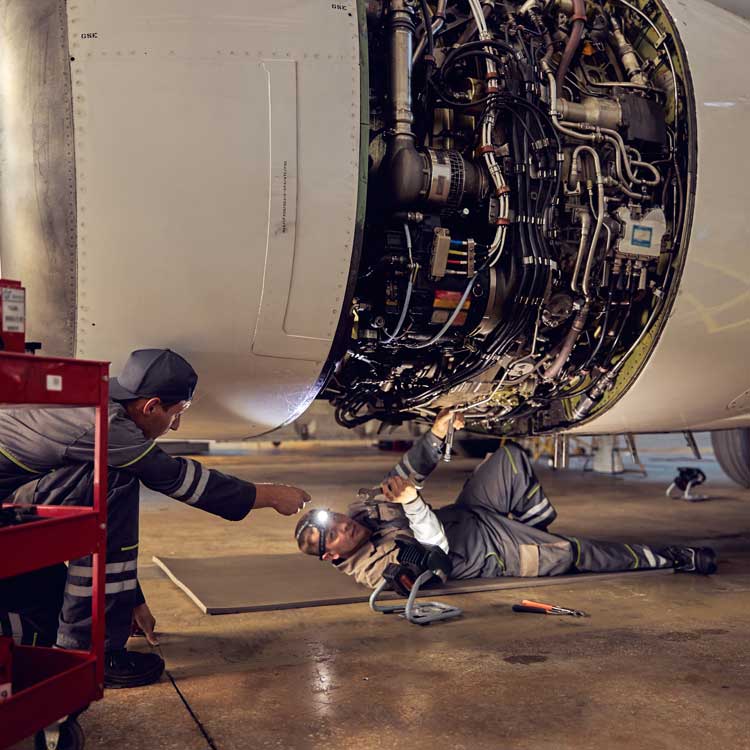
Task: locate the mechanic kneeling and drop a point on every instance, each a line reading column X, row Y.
column 46, row 457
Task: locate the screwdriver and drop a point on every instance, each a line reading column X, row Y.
column 546, row 609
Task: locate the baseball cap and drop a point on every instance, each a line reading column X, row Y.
column 150, row 373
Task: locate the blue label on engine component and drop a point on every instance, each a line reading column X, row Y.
column 641, row 236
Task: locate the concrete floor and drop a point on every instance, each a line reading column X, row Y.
column 662, row 662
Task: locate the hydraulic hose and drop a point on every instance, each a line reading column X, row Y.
column 585, row 219
column 438, row 21
column 574, row 40
column 448, row 323
column 570, row 340
column 600, row 213
column 409, row 288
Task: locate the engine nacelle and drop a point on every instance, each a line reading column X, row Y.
column 531, row 210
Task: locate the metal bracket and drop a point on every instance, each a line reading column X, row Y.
column 690, row 440
column 419, row 614
column 561, row 451
column 633, row 450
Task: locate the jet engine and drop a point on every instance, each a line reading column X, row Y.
column 534, row 210
column 532, row 170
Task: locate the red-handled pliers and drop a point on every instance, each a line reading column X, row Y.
column 546, row 609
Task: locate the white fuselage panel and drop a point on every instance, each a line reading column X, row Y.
column 699, row 374
column 217, row 160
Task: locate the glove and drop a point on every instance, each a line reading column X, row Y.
column 413, row 559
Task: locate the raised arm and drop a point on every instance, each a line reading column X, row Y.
column 423, row 523
column 422, row 458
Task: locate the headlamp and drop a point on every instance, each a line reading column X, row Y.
column 320, row 520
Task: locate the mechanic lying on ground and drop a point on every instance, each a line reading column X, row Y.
column 496, row 527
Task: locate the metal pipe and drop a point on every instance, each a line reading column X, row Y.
column 570, row 340
column 659, row 35
column 438, row 21
column 471, row 27
column 599, row 134
column 627, row 54
column 406, row 167
column 409, row 288
column 630, row 442
column 585, row 218
column 554, row 114
column 566, row 6
column 592, row 110
column 614, row 137
column 402, row 32
column 560, row 458
column 690, row 440
column 616, row 84
column 600, row 213
column 611, row 181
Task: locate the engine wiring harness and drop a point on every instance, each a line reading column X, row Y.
column 527, row 203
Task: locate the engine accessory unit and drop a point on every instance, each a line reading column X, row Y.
column 524, row 221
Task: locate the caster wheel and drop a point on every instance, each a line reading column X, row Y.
column 70, row 737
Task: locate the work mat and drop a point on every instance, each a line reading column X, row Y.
column 254, row 583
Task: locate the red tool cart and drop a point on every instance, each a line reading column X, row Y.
column 48, row 684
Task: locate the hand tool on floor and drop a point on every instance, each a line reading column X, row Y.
column 546, row 609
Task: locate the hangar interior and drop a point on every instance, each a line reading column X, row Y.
column 372, row 227
column 661, row 659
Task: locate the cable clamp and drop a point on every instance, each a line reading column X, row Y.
column 531, row 260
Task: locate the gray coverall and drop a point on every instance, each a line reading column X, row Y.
column 496, row 527
column 49, row 454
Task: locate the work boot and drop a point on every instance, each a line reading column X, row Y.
column 124, row 669
column 691, row 559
